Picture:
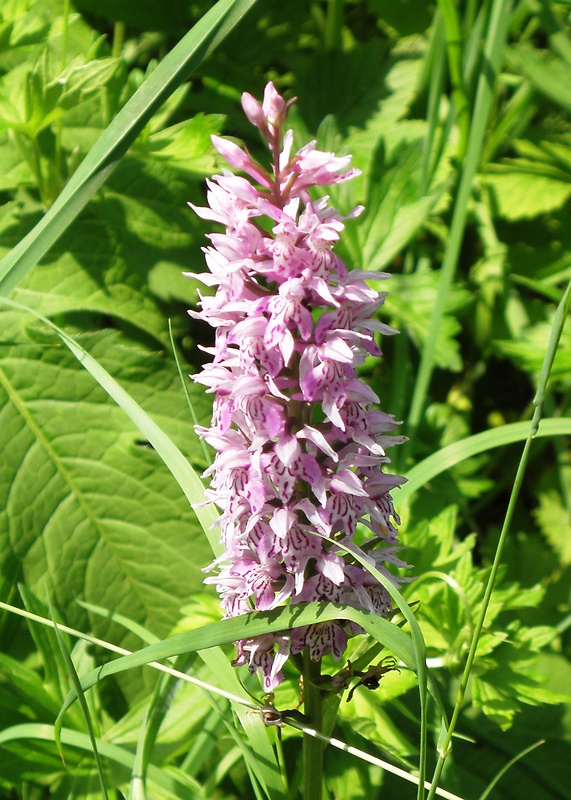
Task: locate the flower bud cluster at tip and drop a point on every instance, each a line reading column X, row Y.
column 299, row 447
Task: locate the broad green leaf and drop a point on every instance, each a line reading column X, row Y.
column 366, row 715
column 87, row 506
column 358, row 86
column 520, row 191
column 548, row 74
column 403, row 17
column 26, row 685
column 554, row 520
column 527, row 352
column 410, row 303
column 187, row 146
column 348, row 779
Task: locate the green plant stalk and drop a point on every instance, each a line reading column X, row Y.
column 312, row 747
column 334, row 25
column 559, row 320
column 454, row 52
column 118, row 39
column 495, row 39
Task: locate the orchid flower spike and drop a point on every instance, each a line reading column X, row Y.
column 298, row 475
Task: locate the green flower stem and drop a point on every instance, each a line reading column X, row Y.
column 312, row 747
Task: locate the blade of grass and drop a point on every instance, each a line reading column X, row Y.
column 266, row 768
column 82, row 703
column 420, row 658
column 435, row 64
column 207, row 455
column 558, row 322
column 114, row 142
column 454, row 53
column 159, row 704
column 422, row 473
column 227, row 631
column 263, row 763
column 123, row 652
column 139, row 630
column 486, row 793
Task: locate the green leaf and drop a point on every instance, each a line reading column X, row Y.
column 26, row 685
column 187, row 146
column 86, row 505
column 410, row 303
column 520, row 191
column 548, row 74
column 554, row 519
column 366, row 715
column 527, row 352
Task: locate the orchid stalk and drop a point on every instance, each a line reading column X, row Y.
column 300, row 448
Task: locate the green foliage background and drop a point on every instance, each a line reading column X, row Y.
column 458, row 115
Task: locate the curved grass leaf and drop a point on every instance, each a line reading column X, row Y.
column 83, row 705
column 228, row 631
column 116, row 139
column 260, row 756
column 558, row 323
column 483, row 104
column 448, row 457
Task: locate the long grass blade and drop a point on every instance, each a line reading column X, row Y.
column 114, row 142
column 422, row 473
column 82, row 703
column 172, row 786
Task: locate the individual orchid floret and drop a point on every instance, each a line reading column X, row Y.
column 300, row 450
